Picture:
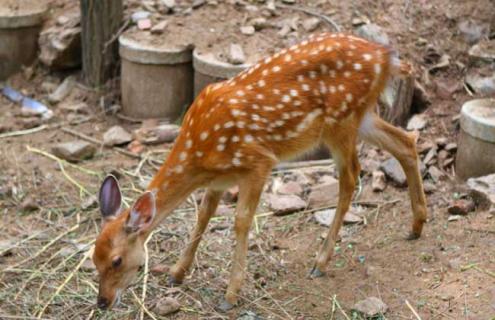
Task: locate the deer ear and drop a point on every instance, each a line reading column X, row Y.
column 110, row 197
column 142, row 213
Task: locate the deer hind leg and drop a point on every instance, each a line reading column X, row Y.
column 343, row 150
column 402, row 146
column 250, row 190
column 207, row 209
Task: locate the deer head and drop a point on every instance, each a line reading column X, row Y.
column 119, row 248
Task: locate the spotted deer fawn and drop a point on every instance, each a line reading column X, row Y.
column 322, row 90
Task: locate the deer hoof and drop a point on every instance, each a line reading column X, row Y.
column 413, row 236
column 225, row 306
column 173, row 281
column 316, row 273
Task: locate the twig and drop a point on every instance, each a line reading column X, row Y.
column 116, row 35
column 142, row 306
column 67, row 279
column 469, row 229
column 98, row 142
column 334, row 298
column 23, row 132
column 48, row 245
column 412, row 310
column 145, row 278
column 312, row 13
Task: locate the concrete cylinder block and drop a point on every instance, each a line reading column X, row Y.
column 156, row 80
column 208, row 69
column 20, row 25
column 476, row 145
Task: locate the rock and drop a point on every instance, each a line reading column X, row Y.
column 159, row 269
column 352, row 218
column 90, row 202
column 116, row 136
column 441, row 142
column 248, row 30
column 60, row 46
column 484, row 50
column 164, row 133
column 472, row 32
column 482, row 190
column 325, row 217
column 289, row 1
column 28, row 123
column 324, row 194
column 373, row 33
column 311, row 24
column 378, row 182
column 436, row 174
column 259, row 23
column 394, row 172
column 159, row 28
column 285, row 204
column 170, row 4
column 451, row 147
column 430, row 156
column 198, row 3
column 481, row 85
column 284, row 31
column 462, row 207
column 144, row 24
column 429, row 187
column 417, row 122
column 74, row 151
column 140, row 15
column 166, row 306
column 88, row 266
column 248, row 315
column 29, row 204
column 63, row 90
column 454, row 218
column 371, row 307
column 289, row 188
column 236, row 54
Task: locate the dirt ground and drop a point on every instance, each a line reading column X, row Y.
column 45, row 233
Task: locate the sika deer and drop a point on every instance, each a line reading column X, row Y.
column 321, row 90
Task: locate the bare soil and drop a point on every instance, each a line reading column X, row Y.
column 447, row 274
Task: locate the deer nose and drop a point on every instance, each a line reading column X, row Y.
column 102, row 302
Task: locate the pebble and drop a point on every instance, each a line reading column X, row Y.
column 324, row 194
column 166, row 306
column 311, row 24
column 394, row 172
column 74, row 151
column 116, row 136
column 236, row 54
column 371, row 307
column 63, row 90
column 159, row 28
column 462, row 207
column 285, row 204
column 248, row 30
column 417, row 122
column 378, row 182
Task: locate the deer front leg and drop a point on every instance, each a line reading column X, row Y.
column 207, row 209
column 249, row 195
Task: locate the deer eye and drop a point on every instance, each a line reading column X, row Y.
column 116, row 262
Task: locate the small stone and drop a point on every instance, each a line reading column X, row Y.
column 29, row 204
column 352, row 218
column 81, row 108
column 74, row 151
column 436, row 174
column 140, row 15
column 90, row 202
column 371, row 307
column 159, row 269
column 63, row 90
column 159, row 28
column 311, row 24
column 454, row 218
column 285, row 204
column 166, row 306
column 480, row 84
column 259, row 23
column 198, row 3
column 378, row 182
column 441, row 142
column 88, row 266
column 472, row 32
column 430, row 156
column 170, row 4
column 484, row 50
column 451, row 147
column 394, row 172
column 325, row 217
column 417, row 122
column 31, row 122
column 284, row 31
column 482, row 190
column 289, row 1
column 429, row 187
column 236, row 54
column 164, row 133
column 324, row 194
column 144, row 24
column 289, row 188
column 248, row 315
column 373, row 33
column 462, row 207
column 116, row 136
column 248, row 30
